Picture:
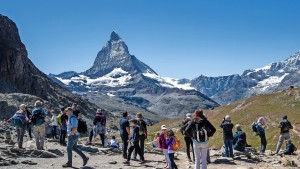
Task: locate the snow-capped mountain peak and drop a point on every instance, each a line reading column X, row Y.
column 114, row 36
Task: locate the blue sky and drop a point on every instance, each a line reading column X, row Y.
column 180, row 39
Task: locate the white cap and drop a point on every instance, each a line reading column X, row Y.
column 163, row 127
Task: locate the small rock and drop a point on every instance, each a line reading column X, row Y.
column 112, row 162
column 13, row 162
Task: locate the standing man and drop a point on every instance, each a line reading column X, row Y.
column 142, row 133
column 227, row 127
column 285, row 127
column 38, row 120
column 73, row 136
column 124, row 133
column 188, row 139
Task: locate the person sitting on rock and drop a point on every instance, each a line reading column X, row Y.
column 290, row 148
column 19, row 120
column 113, row 142
column 239, row 139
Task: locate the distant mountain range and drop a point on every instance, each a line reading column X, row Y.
column 119, row 77
column 273, row 77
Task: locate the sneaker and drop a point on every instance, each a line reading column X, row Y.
column 126, row 163
column 85, row 161
column 67, row 165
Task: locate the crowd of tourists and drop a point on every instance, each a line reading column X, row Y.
column 195, row 128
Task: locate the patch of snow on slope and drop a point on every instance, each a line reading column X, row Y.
column 116, row 77
column 272, row 81
column 169, row 82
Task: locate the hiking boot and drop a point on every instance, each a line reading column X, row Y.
column 85, row 161
column 67, row 165
column 142, row 161
column 126, row 163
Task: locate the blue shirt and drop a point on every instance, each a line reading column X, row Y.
column 123, row 124
column 72, row 123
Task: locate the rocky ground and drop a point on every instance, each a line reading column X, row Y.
column 55, row 155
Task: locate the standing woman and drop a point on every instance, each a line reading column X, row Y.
column 163, row 145
column 200, row 129
column 19, row 121
column 100, row 125
column 170, row 142
column 261, row 132
column 28, row 113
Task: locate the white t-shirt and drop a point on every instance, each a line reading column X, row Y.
column 54, row 120
column 113, row 142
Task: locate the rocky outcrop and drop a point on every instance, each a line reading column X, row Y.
column 19, row 74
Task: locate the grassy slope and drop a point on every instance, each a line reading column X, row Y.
column 271, row 106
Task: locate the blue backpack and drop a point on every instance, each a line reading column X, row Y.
column 19, row 119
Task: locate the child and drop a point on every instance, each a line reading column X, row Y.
column 170, row 142
column 114, row 143
column 53, row 124
column 134, row 142
column 155, row 142
column 290, row 148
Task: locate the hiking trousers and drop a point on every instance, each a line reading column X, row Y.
column 124, row 145
column 228, row 148
column 200, row 150
column 188, row 145
column 142, row 145
column 62, row 138
column 53, row 132
column 167, row 157
column 137, row 149
column 263, row 143
column 20, row 134
column 282, row 137
column 173, row 165
column 72, row 145
column 39, row 134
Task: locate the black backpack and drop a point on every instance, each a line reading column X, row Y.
column 36, row 115
column 202, row 132
column 82, row 127
column 285, row 126
column 254, row 128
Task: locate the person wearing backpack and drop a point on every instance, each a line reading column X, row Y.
column 227, row 127
column 53, row 124
column 124, row 133
column 99, row 126
column 142, row 131
column 200, row 129
column 164, row 146
column 73, row 136
column 285, row 127
column 38, row 120
column 19, row 120
column 134, row 142
column 239, row 139
column 170, row 142
column 260, row 125
column 62, row 120
column 188, row 140
column 28, row 125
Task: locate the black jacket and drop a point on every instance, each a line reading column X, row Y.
column 227, row 130
column 191, row 127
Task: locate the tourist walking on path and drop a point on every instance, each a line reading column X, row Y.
column 188, row 139
column 73, row 136
column 164, row 146
column 38, row 120
column 142, row 133
column 124, row 133
column 200, row 129
column 19, row 120
column 285, row 127
column 134, row 142
column 227, row 127
column 261, row 133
